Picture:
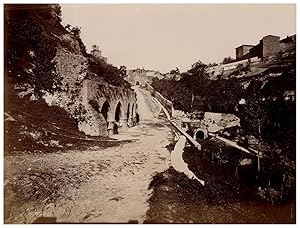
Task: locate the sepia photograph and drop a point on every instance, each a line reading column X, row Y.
column 149, row 113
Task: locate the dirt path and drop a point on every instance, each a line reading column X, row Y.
column 92, row 186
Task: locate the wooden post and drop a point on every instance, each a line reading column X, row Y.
column 258, row 162
column 258, row 170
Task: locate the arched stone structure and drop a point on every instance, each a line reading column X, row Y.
column 200, row 134
column 128, row 112
column 118, row 112
column 105, row 109
column 112, row 103
column 134, row 114
column 129, row 115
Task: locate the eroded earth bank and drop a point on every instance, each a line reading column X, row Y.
column 93, row 185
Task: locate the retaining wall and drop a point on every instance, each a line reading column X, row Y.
column 168, row 105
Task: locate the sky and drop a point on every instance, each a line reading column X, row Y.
column 163, row 37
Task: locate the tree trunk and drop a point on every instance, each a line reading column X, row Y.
column 282, row 186
column 269, row 187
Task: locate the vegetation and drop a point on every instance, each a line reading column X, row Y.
column 194, row 91
column 26, row 43
column 269, row 113
column 271, row 117
column 175, row 71
column 228, row 60
column 123, row 71
column 108, row 72
column 31, row 43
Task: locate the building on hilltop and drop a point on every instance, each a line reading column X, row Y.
column 98, row 54
column 268, row 46
column 242, row 50
column 142, row 76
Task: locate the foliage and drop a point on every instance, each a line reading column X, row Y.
column 123, row 71
column 212, row 64
column 228, row 60
column 221, row 95
column 269, row 114
column 175, row 71
column 198, row 68
column 75, row 32
column 194, row 91
column 254, row 112
column 266, row 112
column 31, row 47
column 196, row 115
column 95, row 47
column 25, row 35
column 110, row 73
column 272, row 119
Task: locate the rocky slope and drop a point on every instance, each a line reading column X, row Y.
column 48, row 74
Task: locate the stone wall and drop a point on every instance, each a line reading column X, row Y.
column 121, row 104
column 220, row 69
column 270, row 45
column 71, row 69
column 83, row 94
column 242, row 50
column 287, row 47
column 168, row 105
column 141, row 76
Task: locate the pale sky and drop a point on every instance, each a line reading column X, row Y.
column 162, row 37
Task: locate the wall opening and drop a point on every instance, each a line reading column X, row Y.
column 132, row 111
column 137, row 83
column 200, row 135
column 118, row 112
column 105, row 109
column 128, row 112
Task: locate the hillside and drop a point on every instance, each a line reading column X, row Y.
column 265, row 102
column 51, row 81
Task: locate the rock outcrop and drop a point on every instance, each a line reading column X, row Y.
column 49, row 62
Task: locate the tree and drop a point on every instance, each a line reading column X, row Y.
column 75, row 31
column 123, row 71
column 212, row 64
column 24, row 33
column 57, row 11
column 254, row 112
column 175, row 71
column 95, row 47
column 68, row 27
column 228, row 60
column 198, row 68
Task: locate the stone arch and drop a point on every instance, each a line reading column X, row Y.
column 133, row 110
column 105, row 110
column 118, row 112
column 128, row 112
column 200, row 134
column 137, row 83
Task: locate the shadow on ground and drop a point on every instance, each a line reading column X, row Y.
column 52, row 220
column 177, row 199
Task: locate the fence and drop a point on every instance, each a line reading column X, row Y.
column 168, row 105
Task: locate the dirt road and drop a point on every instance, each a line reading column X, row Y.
column 131, row 183
column 95, row 185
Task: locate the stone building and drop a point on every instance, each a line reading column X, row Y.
column 142, row 76
column 98, row 54
column 268, row 46
column 242, row 50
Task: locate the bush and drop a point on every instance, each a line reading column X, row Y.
column 24, row 33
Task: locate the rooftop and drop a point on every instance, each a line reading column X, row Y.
column 245, row 45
